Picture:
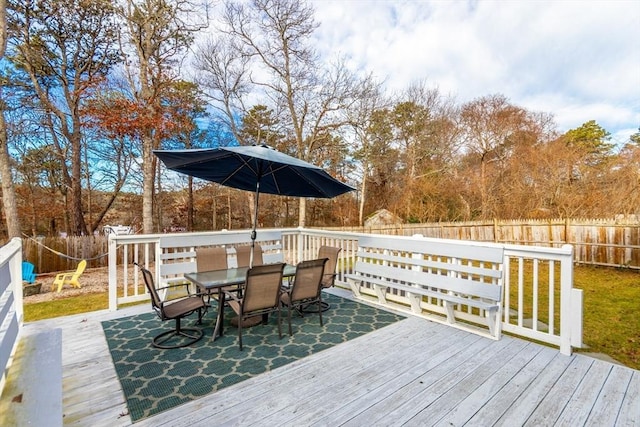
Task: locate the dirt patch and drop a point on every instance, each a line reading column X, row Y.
column 94, row 280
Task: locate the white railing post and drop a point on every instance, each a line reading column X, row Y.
column 576, row 317
column 566, row 306
column 16, row 277
column 113, row 273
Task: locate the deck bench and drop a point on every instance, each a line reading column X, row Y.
column 442, row 277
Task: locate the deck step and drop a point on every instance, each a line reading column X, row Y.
column 32, row 395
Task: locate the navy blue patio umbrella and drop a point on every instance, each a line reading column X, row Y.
column 256, row 168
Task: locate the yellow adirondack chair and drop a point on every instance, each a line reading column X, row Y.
column 70, row 278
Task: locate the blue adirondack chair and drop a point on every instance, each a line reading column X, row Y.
column 28, row 273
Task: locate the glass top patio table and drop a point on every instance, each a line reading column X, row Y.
column 216, row 279
column 209, row 281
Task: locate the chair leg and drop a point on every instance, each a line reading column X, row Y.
column 320, row 308
column 194, row 335
column 279, row 323
column 314, row 307
column 240, row 330
column 289, row 319
column 60, row 283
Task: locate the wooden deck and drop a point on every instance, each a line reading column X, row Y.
column 413, row 373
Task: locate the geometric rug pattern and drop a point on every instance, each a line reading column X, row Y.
column 155, row 380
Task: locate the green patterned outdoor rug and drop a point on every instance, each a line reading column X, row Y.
column 155, row 380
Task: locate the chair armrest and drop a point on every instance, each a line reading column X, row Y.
column 286, row 286
column 166, row 291
column 232, row 295
column 175, row 286
column 327, row 275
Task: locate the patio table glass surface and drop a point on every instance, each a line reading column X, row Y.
column 208, row 281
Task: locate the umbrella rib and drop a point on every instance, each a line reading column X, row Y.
column 244, row 163
column 272, row 171
column 301, row 176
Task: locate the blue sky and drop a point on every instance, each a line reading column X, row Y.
column 578, row 60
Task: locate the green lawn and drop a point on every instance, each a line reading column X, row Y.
column 611, row 311
column 66, row 306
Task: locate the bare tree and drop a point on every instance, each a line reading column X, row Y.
column 488, row 124
column 361, row 119
column 158, row 34
column 267, row 52
column 8, row 192
column 223, row 73
column 526, row 184
column 627, row 177
column 64, row 47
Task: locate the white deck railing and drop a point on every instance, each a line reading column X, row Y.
column 539, row 303
column 11, row 313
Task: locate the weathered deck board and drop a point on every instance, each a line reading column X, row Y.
column 413, row 372
column 496, row 406
column 610, row 398
column 630, row 409
column 557, row 398
column 544, row 379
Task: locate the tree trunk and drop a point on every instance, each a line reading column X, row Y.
column 483, row 188
column 228, row 209
column 362, row 196
column 302, row 214
column 214, row 210
column 77, row 217
column 148, row 174
column 8, row 192
column 190, row 206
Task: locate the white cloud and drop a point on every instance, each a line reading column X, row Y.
column 577, row 60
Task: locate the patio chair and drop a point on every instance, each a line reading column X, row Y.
column 243, row 254
column 174, row 310
column 306, row 288
column 70, row 278
column 208, row 259
column 329, row 277
column 261, row 296
column 28, row 273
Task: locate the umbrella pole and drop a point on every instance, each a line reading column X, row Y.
column 255, row 225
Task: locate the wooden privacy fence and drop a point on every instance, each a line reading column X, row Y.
column 596, row 242
column 614, row 243
column 50, row 254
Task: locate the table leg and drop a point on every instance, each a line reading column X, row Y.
column 219, row 328
column 207, row 305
